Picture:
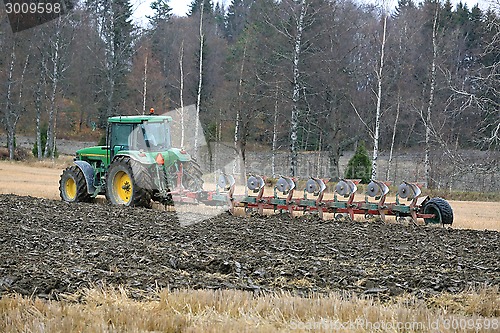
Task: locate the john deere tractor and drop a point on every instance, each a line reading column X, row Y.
column 138, row 164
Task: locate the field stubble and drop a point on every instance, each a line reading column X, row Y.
column 112, row 310
column 112, row 274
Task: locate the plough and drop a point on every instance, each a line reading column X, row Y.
column 342, row 205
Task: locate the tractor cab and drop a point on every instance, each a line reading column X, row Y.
column 138, row 133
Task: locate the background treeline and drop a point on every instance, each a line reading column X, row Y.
column 290, row 75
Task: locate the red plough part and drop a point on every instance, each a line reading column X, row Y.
column 433, row 211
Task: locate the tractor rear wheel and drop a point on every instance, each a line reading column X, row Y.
column 443, row 214
column 72, row 186
column 192, row 176
column 126, row 183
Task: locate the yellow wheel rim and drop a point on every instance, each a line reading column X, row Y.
column 70, row 188
column 122, row 186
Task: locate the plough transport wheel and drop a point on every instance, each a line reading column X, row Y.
column 443, row 214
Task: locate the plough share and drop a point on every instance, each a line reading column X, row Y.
column 342, row 205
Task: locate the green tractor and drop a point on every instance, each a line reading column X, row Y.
column 137, row 165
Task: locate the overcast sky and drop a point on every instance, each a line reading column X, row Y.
column 142, row 8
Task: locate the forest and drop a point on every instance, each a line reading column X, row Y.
column 289, row 75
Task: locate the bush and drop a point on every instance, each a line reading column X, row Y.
column 360, row 165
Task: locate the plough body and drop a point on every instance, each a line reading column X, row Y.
column 432, row 211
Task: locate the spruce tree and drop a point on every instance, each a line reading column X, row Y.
column 359, row 166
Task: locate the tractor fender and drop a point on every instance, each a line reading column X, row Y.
column 132, row 156
column 180, row 154
column 88, row 172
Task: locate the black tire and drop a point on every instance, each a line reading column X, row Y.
column 192, row 176
column 72, row 186
column 128, row 183
column 441, row 209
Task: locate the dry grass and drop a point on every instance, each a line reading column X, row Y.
column 34, row 178
column 98, row 310
column 476, row 215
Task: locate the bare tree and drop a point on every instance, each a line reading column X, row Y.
column 56, row 52
column 427, row 119
column 41, row 82
column 275, row 133
column 10, row 115
column 376, row 132
column 393, row 138
column 294, row 122
column 181, row 90
column 145, row 85
column 200, row 82
column 239, row 107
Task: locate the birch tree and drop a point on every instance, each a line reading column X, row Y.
column 15, row 88
column 376, row 132
column 427, row 118
column 181, row 90
column 393, row 138
column 145, row 84
column 41, row 83
column 275, row 134
column 239, row 108
column 200, row 83
column 294, row 122
column 56, row 54
column 54, row 75
column 10, row 115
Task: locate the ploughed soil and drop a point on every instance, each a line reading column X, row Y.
column 51, row 247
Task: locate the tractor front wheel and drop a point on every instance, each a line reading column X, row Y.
column 443, row 214
column 123, row 186
column 72, row 186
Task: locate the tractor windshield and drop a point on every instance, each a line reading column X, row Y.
column 156, row 136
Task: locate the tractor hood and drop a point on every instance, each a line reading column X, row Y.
column 96, row 151
column 169, row 156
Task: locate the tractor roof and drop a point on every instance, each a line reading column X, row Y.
column 139, row 119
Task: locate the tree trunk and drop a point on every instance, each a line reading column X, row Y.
column 200, row 81
column 181, row 92
column 239, row 109
column 318, row 164
column 294, row 124
column 51, row 139
column 275, row 135
column 376, row 133
column 38, row 108
column 428, row 119
column 145, row 85
column 334, row 157
column 393, row 139
column 9, row 114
